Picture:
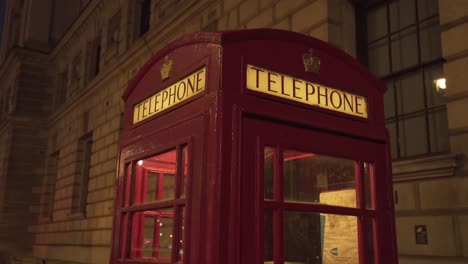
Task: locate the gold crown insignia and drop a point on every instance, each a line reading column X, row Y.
column 166, row 68
column 311, row 62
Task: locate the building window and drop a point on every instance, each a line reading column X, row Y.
column 94, row 58
column 83, row 165
column 113, row 31
column 404, row 50
column 49, row 185
column 80, row 183
column 142, row 17
column 75, row 74
column 157, row 206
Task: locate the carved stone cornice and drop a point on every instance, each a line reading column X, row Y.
column 78, row 27
column 425, row 168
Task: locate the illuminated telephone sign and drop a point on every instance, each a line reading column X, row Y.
column 287, row 87
column 169, row 97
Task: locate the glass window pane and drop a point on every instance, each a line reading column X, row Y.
column 320, row 238
column 427, row 8
column 438, row 131
column 148, row 236
column 368, row 181
column 155, row 177
column 182, row 233
column 370, row 241
column 392, row 134
column 379, row 62
column 413, row 136
column 184, row 171
column 410, row 94
column 389, row 101
column 152, row 234
column 268, row 171
column 430, row 40
column 268, row 237
column 318, row 179
column 434, row 98
column 404, row 49
column 377, row 23
column 402, row 14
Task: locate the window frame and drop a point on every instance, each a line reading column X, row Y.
column 257, row 135
column 179, row 204
column 278, row 205
column 362, row 10
column 49, row 187
column 82, row 174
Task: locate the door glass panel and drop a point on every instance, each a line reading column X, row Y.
column 312, row 178
column 148, row 236
column 320, row 238
column 164, row 247
column 182, row 233
column 156, row 177
column 268, row 172
column 368, row 175
column 268, row 237
column 370, row 241
column 152, row 232
column 184, row 171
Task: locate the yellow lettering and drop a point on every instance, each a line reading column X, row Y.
column 287, row 87
column 170, row 96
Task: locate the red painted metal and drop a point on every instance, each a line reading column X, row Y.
column 225, row 130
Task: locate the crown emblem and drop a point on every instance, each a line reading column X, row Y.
column 166, row 68
column 311, row 62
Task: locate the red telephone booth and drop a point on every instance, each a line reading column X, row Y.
column 253, row 147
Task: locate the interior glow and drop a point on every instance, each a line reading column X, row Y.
column 440, row 84
column 140, row 162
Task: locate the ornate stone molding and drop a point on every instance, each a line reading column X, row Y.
column 423, row 168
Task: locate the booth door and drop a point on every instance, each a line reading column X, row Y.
column 159, row 176
column 319, row 198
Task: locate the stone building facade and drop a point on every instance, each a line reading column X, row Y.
column 65, row 64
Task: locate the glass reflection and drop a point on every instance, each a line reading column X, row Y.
column 182, row 234
column 312, row 178
column 311, row 238
column 184, row 171
column 268, row 236
column 155, row 177
column 153, row 233
column 268, row 171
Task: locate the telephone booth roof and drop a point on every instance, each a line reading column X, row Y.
column 226, row 56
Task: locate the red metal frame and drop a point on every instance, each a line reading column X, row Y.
column 292, row 138
column 226, row 128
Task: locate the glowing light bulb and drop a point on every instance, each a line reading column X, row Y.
column 140, row 162
column 440, row 84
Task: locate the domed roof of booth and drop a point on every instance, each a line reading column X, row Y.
column 224, row 38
